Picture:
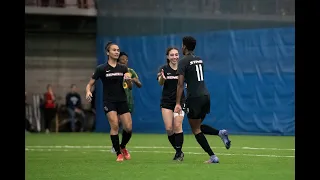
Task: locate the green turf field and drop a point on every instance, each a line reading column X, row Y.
column 86, row 156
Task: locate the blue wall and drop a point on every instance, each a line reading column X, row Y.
column 249, row 73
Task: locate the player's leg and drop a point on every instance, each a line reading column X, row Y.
column 206, row 129
column 177, row 129
column 126, row 121
column 196, row 111
column 120, row 131
column 120, row 126
column 167, row 116
column 112, row 116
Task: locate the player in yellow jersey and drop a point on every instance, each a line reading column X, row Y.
column 123, row 59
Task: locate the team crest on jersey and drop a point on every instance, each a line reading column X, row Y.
column 125, row 85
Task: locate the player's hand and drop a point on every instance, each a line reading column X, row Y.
column 128, row 80
column 127, row 76
column 134, row 80
column 162, row 74
column 178, row 109
column 89, row 96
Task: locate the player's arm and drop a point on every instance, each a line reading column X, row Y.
column 161, row 77
column 181, row 73
column 127, row 78
column 135, row 79
column 90, row 85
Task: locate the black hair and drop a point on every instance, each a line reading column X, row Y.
column 168, row 50
column 122, row 54
column 107, row 47
column 190, row 42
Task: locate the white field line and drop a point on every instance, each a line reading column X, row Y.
column 161, row 152
column 155, row 147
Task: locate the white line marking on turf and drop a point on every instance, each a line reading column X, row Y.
column 155, row 147
column 162, row 152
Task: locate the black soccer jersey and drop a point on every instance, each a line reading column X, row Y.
column 192, row 68
column 169, row 91
column 112, row 80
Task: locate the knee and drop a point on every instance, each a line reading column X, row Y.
column 177, row 125
column 127, row 128
column 169, row 128
column 114, row 125
column 196, row 131
column 169, row 132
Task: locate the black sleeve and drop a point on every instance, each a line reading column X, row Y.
column 125, row 69
column 182, row 66
column 164, row 70
column 96, row 74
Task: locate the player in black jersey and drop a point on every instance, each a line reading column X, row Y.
column 190, row 70
column 168, row 78
column 112, row 76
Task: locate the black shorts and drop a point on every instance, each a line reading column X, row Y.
column 198, row 107
column 171, row 106
column 119, row 107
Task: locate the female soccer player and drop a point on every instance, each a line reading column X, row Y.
column 112, row 75
column 123, row 59
column 168, row 78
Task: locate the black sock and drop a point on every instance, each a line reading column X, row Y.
column 115, row 143
column 208, row 130
column 202, row 140
column 179, row 141
column 126, row 136
column 172, row 140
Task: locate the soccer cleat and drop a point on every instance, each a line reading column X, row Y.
column 178, row 156
column 213, row 159
column 126, row 154
column 120, row 158
column 225, row 139
column 113, row 150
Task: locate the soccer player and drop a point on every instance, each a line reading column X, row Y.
column 112, row 75
column 190, row 69
column 123, row 59
column 168, row 78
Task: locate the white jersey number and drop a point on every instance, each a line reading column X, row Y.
column 199, row 72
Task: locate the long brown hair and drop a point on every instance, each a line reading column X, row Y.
column 168, row 50
column 107, row 47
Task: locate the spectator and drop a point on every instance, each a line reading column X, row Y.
column 74, row 106
column 49, row 110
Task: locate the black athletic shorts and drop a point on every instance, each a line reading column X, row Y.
column 119, row 107
column 198, row 107
column 171, row 106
